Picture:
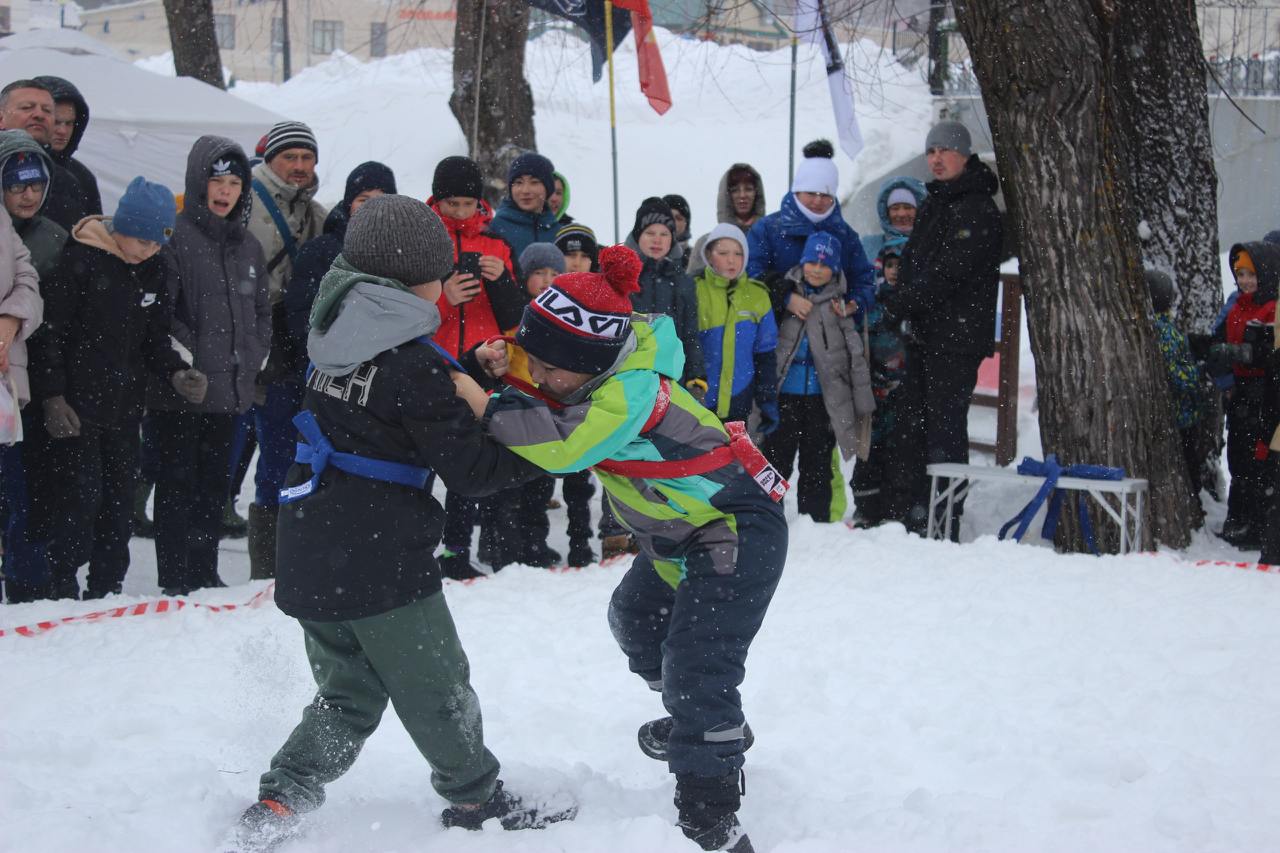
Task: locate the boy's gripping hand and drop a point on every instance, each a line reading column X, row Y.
column 493, row 357
column 469, row 391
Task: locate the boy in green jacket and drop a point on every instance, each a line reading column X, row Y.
column 701, row 501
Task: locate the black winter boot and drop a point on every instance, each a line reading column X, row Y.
column 511, row 811
column 540, row 555
column 457, row 565
column 654, row 735
column 580, row 553
column 708, row 807
column 263, row 827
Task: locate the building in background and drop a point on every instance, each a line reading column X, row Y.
column 251, row 32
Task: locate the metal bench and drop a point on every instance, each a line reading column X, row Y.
column 1129, row 494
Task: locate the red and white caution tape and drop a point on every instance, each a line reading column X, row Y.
column 1257, row 567
column 145, row 608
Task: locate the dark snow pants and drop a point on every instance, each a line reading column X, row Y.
column 1246, row 426
column 934, row 417
column 804, row 429
column 26, row 565
column 1271, row 530
column 410, row 656
column 691, row 642
column 194, row 451
column 82, row 505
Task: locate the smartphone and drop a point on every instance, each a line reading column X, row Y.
column 469, row 263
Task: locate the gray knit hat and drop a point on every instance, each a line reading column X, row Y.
column 949, row 134
column 398, row 237
column 537, row 256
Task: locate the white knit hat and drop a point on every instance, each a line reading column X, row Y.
column 816, row 175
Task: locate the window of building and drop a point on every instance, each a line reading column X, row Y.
column 224, row 28
column 277, row 34
column 377, row 39
column 326, row 36
column 4, row 19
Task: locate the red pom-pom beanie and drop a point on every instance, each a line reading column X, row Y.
column 582, row 320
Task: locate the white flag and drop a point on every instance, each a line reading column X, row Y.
column 811, row 27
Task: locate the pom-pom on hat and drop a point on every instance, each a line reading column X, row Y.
column 582, row 321
column 816, row 172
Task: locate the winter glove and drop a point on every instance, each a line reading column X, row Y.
column 698, row 388
column 60, row 420
column 191, row 384
column 768, row 416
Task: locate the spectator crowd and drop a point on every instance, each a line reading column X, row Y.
column 363, row 351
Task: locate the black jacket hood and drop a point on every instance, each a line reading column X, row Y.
column 64, row 90
column 206, row 151
column 1266, row 260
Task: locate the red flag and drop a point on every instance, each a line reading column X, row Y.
column 653, row 76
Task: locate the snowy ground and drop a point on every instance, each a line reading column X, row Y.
column 906, row 695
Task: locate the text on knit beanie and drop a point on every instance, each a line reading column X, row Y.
column 230, row 165
column 370, row 175
column 286, row 135
column 541, row 256
column 24, row 168
column 146, row 211
column 949, row 134
column 581, row 322
column 822, row 248
column 534, row 164
column 397, row 237
column 457, row 177
column 653, row 211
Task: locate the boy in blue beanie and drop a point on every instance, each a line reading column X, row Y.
column 524, row 217
column 106, row 328
column 824, row 392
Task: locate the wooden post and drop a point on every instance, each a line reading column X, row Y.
column 1005, row 400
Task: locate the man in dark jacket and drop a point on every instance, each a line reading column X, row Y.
column 366, row 181
column 106, row 328
column 28, row 105
column 358, row 529
column 70, row 120
column 947, row 296
column 217, row 287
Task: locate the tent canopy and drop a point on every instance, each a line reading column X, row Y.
column 139, row 123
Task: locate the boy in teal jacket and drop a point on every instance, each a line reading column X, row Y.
column 700, row 499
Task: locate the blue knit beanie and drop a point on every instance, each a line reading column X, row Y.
column 146, row 211
column 532, row 163
column 822, row 248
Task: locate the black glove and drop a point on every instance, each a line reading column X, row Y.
column 1222, row 356
column 191, row 384
column 60, row 420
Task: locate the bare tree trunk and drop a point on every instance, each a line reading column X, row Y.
column 1104, row 396
column 491, row 99
column 1164, row 108
column 194, row 40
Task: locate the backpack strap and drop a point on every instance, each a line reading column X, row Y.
column 282, row 224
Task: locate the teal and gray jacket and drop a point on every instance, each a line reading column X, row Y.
column 672, row 519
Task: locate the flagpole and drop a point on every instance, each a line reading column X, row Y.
column 791, row 149
column 613, row 114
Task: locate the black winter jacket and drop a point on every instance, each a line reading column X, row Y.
column 358, row 547
column 313, row 261
column 217, row 288
column 106, row 326
column 951, row 266
column 84, row 195
column 665, row 288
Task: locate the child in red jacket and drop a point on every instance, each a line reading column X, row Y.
column 480, row 298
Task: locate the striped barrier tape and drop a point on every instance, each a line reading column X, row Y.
column 145, row 608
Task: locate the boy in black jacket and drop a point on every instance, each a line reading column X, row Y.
column 106, row 327
column 358, row 530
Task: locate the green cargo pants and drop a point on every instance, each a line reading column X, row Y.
column 410, row 655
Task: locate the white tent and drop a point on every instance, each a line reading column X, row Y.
column 139, row 123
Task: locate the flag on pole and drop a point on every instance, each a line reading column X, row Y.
column 653, row 76
column 588, row 14
column 811, row 26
